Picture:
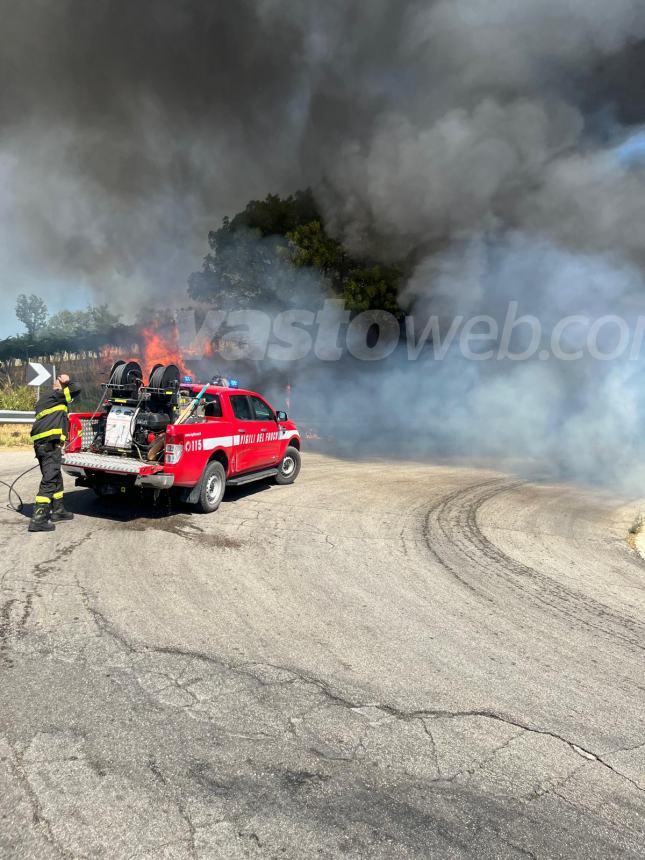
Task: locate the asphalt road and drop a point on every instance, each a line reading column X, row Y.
column 385, row 660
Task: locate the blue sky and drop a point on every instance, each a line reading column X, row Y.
column 57, row 295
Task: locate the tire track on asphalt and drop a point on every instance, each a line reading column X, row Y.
column 455, row 540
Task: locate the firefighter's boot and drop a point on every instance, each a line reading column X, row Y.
column 59, row 514
column 40, row 518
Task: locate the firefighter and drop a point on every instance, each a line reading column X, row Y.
column 48, row 434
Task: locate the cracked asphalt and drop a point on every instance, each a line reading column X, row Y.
column 385, row 660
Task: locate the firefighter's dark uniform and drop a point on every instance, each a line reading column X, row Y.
column 48, row 433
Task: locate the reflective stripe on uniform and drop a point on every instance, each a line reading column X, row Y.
column 43, row 500
column 55, row 432
column 58, row 495
column 68, row 396
column 60, row 408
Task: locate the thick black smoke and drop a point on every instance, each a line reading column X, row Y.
column 495, row 144
column 129, row 128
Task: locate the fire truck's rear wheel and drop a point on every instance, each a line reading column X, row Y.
column 289, row 467
column 212, row 488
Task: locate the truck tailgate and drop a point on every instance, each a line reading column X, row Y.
column 110, row 463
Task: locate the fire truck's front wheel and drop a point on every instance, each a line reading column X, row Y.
column 289, row 466
column 212, row 487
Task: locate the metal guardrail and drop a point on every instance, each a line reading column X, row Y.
column 13, row 416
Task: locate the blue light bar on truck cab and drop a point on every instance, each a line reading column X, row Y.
column 233, row 383
column 187, row 380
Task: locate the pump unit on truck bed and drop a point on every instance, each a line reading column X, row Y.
column 191, row 439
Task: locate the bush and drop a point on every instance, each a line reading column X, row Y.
column 20, row 397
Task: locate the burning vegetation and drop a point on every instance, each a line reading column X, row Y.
column 161, row 346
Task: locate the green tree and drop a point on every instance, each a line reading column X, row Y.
column 248, row 264
column 65, row 324
column 93, row 320
column 309, row 245
column 32, row 312
column 259, row 258
column 240, row 271
column 101, row 318
column 277, row 216
column 374, row 288
column 362, row 284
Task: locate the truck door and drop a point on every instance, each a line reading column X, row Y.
column 267, row 445
column 243, row 429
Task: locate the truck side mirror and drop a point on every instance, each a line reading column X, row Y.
column 281, row 416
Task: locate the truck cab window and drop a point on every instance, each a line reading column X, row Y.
column 212, row 406
column 241, row 407
column 262, row 410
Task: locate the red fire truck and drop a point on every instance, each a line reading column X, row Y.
column 193, row 440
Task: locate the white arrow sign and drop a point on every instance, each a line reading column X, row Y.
column 38, row 373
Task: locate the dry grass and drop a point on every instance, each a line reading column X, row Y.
column 15, row 435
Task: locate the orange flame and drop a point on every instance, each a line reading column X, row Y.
column 158, row 348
